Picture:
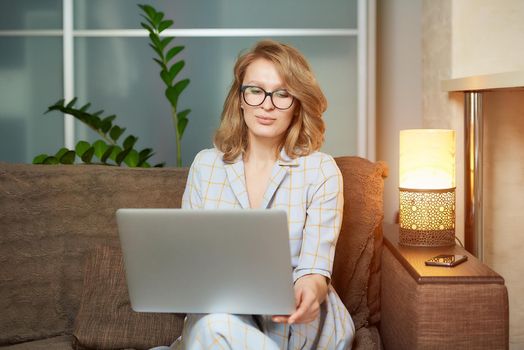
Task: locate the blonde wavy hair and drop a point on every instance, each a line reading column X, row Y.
column 306, row 131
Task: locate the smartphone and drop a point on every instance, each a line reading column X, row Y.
column 448, row 260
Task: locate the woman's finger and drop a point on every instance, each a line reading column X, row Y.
column 298, row 297
column 306, row 301
column 280, row 318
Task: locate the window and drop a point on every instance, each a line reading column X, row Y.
column 99, row 53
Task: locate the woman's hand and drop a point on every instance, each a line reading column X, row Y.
column 310, row 292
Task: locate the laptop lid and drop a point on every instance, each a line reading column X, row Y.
column 207, row 261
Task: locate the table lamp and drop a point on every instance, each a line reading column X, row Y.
column 427, row 187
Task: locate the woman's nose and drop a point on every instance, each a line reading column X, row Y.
column 268, row 104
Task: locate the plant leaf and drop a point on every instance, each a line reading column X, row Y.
column 81, row 147
column 94, row 121
column 145, row 152
column 131, row 159
column 39, row 159
column 88, row 155
column 183, row 114
column 144, row 155
column 84, row 117
column 107, row 154
column 150, row 22
column 173, row 51
column 172, row 95
column 116, row 132
column 160, row 63
column 116, row 151
column 130, row 141
column 157, row 50
column 149, row 10
column 147, row 27
column 180, row 86
column 175, row 69
column 165, row 24
column 158, row 18
column 61, row 152
column 50, row 160
column 55, row 106
column 182, row 121
column 71, row 103
column 100, row 147
column 109, row 118
column 106, row 123
column 165, row 77
column 164, row 42
column 122, row 155
column 85, row 107
column 154, row 39
column 68, row 157
column 160, row 165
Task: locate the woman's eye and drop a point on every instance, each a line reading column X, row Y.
column 254, row 90
column 281, row 93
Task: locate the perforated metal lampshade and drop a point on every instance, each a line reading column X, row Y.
column 427, row 187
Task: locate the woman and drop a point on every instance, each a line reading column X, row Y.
column 266, row 156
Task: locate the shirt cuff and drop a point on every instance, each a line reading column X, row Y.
column 297, row 273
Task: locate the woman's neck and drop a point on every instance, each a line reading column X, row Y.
column 261, row 151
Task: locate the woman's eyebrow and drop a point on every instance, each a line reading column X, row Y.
column 262, row 85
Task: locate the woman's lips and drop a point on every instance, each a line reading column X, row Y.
column 265, row 120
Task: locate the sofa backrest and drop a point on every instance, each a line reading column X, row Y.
column 356, row 270
column 52, row 216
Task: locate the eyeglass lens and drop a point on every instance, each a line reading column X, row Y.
column 255, row 96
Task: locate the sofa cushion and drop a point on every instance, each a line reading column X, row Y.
column 63, row 342
column 367, row 339
column 105, row 319
column 51, row 216
column 356, row 270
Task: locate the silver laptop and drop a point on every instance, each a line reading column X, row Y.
column 207, row 261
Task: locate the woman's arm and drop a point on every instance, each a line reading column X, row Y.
column 320, row 234
column 323, row 221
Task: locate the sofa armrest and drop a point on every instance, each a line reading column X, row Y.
column 439, row 308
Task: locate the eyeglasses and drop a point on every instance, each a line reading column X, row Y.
column 255, row 96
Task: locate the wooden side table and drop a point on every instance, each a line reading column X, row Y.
column 433, row 307
column 413, row 258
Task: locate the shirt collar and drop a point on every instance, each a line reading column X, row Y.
column 284, row 159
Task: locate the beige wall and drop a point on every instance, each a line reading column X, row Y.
column 488, row 36
column 473, row 37
column 504, row 198
column 441, row 110
column 399, row 85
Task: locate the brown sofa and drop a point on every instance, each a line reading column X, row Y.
column 62, row 284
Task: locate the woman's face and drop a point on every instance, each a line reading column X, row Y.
column 265, row 121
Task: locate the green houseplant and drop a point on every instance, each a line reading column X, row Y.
column 155, row 24
column 107, row 150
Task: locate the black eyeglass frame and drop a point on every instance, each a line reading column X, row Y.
column 266, row 94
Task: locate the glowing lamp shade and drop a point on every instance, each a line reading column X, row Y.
column 427, row 159
column 427, row 187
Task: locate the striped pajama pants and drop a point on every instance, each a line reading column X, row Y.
column 333, row 329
